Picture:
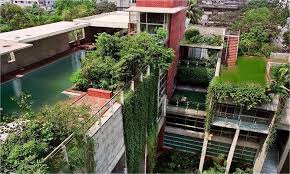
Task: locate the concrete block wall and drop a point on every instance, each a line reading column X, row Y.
column 109, row 139
column 41, row 49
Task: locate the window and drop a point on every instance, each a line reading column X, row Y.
column 76, row 35
column 151, row 21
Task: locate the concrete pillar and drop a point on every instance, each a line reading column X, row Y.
column 284, row 155
column 203, row 152
column 232, row 151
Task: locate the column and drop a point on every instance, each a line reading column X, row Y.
column 232, row 151
column 203, row 152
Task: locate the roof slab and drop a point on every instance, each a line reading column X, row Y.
column 117, row 19
column 156, row 9
column 7, row 46
column 41, row 32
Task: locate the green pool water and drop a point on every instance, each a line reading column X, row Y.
column 44, row 84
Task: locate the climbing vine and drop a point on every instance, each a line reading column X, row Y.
column 140, row 113
column 277, row 117
column 244, row 95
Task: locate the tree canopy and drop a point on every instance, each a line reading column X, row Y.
column 14, row 17
column 118, row 58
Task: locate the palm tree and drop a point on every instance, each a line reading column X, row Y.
column 194, row 12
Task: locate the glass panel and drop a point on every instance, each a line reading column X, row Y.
column 143, row 17
column 152, row 28
column 156, row 18
column 143, row 27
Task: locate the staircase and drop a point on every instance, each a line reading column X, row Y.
column 232, row 50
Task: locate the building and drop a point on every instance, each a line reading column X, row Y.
column 213, row 8
column 121, row 4
column 46, row 4
column 236, row 132
column 2, row 2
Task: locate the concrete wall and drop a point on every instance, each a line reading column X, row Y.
column 109, row 139
column 41, row 49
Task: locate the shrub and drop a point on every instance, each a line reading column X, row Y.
column 195, row 75
column 190, row 33
column 243, row 94
column 24, row 150
column 118, row 58
column 176, row 162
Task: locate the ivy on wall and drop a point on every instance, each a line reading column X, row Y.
column 195, row 75
column 244, row 95
column 139, row 117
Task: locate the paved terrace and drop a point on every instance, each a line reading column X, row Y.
column 117, row 19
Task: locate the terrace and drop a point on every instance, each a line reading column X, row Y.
column 248, row 69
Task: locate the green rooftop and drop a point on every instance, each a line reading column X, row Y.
column 248, row 69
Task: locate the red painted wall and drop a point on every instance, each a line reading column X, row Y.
column 160, row 3
column 176, row 32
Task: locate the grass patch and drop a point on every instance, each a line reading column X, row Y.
column 248, row 69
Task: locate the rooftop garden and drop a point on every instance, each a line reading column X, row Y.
column 248, row 69
column 111, row 66
column 193, row 36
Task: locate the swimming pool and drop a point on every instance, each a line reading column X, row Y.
column 44, row 84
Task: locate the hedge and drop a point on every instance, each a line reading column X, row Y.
column 200, row 76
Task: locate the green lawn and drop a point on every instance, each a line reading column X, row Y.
column 248, row 69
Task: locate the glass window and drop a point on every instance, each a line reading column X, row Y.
column 152, row 28
column 156, row 18
column 143, row 27
column 143, row 17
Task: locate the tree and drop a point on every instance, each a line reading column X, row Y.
column 105, row 7
column 194, row 13
column 24, row 150
column 117, row 58
column 286, row 38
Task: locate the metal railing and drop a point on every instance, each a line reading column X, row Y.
column 60, row 157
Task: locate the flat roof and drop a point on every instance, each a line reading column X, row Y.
column 155, row 9
column 202, row 46
column 219, row 31
column 7, row 46
column 117, row 19
column 43, row 31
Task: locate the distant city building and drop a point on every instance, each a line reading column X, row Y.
column 121, row 4
column 46, row 4
column 2, row 2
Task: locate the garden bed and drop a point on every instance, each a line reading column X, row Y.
column 248, row 69
column 176, row 162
